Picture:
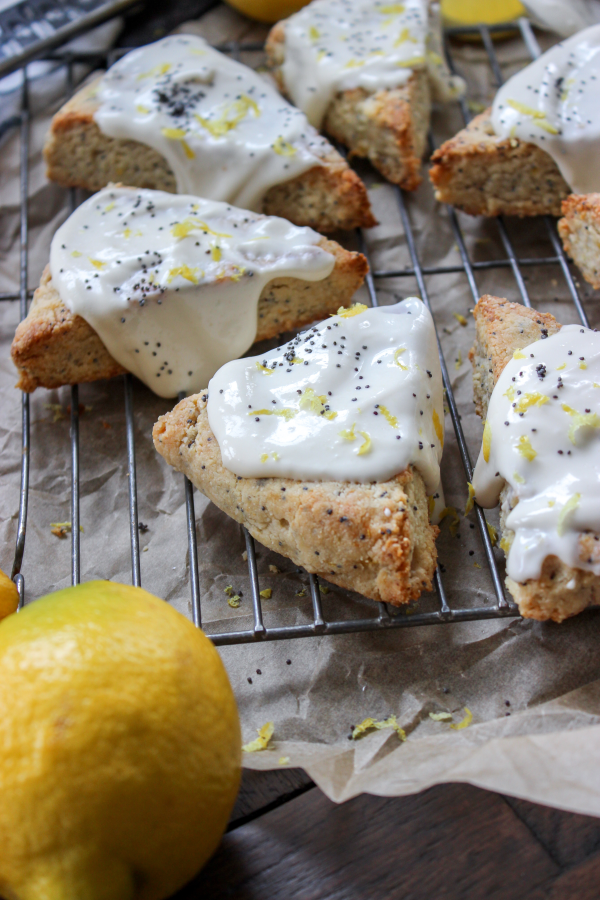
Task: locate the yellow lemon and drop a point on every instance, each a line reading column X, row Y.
column 474, row 12
column 119, row 747
column 268, row 11
column 9, row 595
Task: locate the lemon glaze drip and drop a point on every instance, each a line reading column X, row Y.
column 165, row 305
column 554, row 103
column 355, row 416
column 226, row 133
column 338, row 45
column 548, row 453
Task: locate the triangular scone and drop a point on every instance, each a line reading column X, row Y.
column 580, row 232
column 341, row 531
column 389, row 128
column 502, row 328
column 328, row 195
column 485, row 175
column 53, row 347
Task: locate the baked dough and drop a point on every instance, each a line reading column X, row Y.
column 580, row 232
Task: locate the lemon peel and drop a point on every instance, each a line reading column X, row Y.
column 397, row 354
column 526, row 110
column 76, row 254
column 264, row 457
column 283, row 760
column 493, row 533
column 440, row 717
column 215, row 253
column 262, row 741
column 160, row 69
column 316, row 403
column 487, row 441
column 286, row 413
column 62, row 529
column 580, row 420
column 349, row 435
column 505, row 544
column 409, row 63
column 266, row 594
column 565, row 513
column 392, row 420
column 525, row 449
column 366, row 446
column 284, row 148
column 518, row 478
column 354, row 310
column 264, row 369
column 465, row 722
column 471, row 499
column 178, row 134
column 230, row 117
column 453, row 519
column 185, row 272
column 518, row 354
column 182, row 229
column 234, row 601
column 314, row 33
column 371, row 724
column 533, row 398
column 460, row 319
column 438, row 427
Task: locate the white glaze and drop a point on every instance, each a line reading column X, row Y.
column 171, row 283
column 337, row 45
column 567, row 448
column 367, row 377
column 226, row 132
column 554, row 103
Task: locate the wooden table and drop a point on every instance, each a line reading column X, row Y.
column 287, row 841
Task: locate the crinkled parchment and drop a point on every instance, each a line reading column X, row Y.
column 533, row 689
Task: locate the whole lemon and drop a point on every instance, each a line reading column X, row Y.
column 119, row 747
column 268, row 11
column 9, row 595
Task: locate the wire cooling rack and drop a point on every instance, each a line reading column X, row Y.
column 382, row 619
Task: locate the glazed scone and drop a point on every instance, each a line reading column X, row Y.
column 485, row 175
column 55, row 345
column 376, row 100
column 503, row 329
column 164, row 117
column 580, row 232
column 340, row 531
column 328, row 448
column 539, row 142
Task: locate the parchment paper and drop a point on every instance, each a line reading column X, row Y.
column 533, row 689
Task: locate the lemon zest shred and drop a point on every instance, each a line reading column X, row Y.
column 518, row 478
column 518, row 354
column 266, row 594
column 546, row 126
column 438, row 427
column 371, row 724
column 234, row 601
column 185, row 272
column 160, row 69
column 465, row 722
column 264, row 369
column 262, row 741
column 526, row 110
column 560, row 368
column 392, row 9
column 404, row 36
column 109, row 206
column 454, row 520
column 525, row 449
column 314, row 403
column 76, row 254
column 349, row 435
column 580, row 420
column 286, row 413
column 366, row 446
column 264, row 457
column 409, row 63
column 353, row 310
column 392, row 420
column 215, row 253
column 314, row 33
column 97, row 263
column 440, row 717
column 504, row 544
column 284, row 148
column 533, row 398
column 487, row 441
column 283, row 760
column 471, row 499
column 460, row 319
column 569, row 507
column 493, row 533
column 582, row 365
column 182, row 229
column 231, row 116
column 142, row 109
column 354, row 64
column 397, row 354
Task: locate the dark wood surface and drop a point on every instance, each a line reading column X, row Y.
column 287, row 841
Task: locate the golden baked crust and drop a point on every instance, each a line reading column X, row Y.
column 580, row 232
column 503, row 327
column 337, row 530
column 485, row 175
column 78, row 154
column 52, row 346
column 388, row 127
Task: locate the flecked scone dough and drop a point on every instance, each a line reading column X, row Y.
column 502, row 328
column 485, row 175
column 78, row 154
column 580, row 232
column 388, row 127
column 52, row 346
column 340, row 531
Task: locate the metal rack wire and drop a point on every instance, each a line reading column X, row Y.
column 382, row 619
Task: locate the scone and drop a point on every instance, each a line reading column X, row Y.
column 125, row 290
column 363, row 72
column 537, row 421
column 580, row 232
column 539, row 142
column 179, row 116
column 338, row 481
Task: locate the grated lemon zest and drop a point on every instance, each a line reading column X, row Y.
column 354, row 64
column 471, row 499
column 435, row 58
column 504, row 544
column 580, row 420
column 314, row 33
column 231, row 116
column 476, row 566
column 460, row 319
column 525, row 449
column 454, row 520
column 182, row 229
column 266, row 594
column 493, row 533
column 533, row 398
column 404, row 36
column 392, row 420
column 321, row 55
column 440, row 717
column 185, row 272
column 286, row 413
column 161, row 69
column 569, row 507
column 76, row 254
column 371, row 724
column 283, row 760
column 560, row 368
column 261, row 742
column 264, row 457
column 439, row 428
column 109, row 206
column 409, row 63
column 582, row 365
column 174, row 134
column 143, row 109
column 526, row 110
column 518, row 478
column 518, row 354
column 366, row 446
column 234, row 601
column 392, row 9
column 465, row 722
column 284, row 148
column 264, row 369
column 510, row 393
column 314, row 403
column 487, row 441
column 397, row 354
column 349, row 435
column 215, row 253
column 546, row 126
column 353, row 310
